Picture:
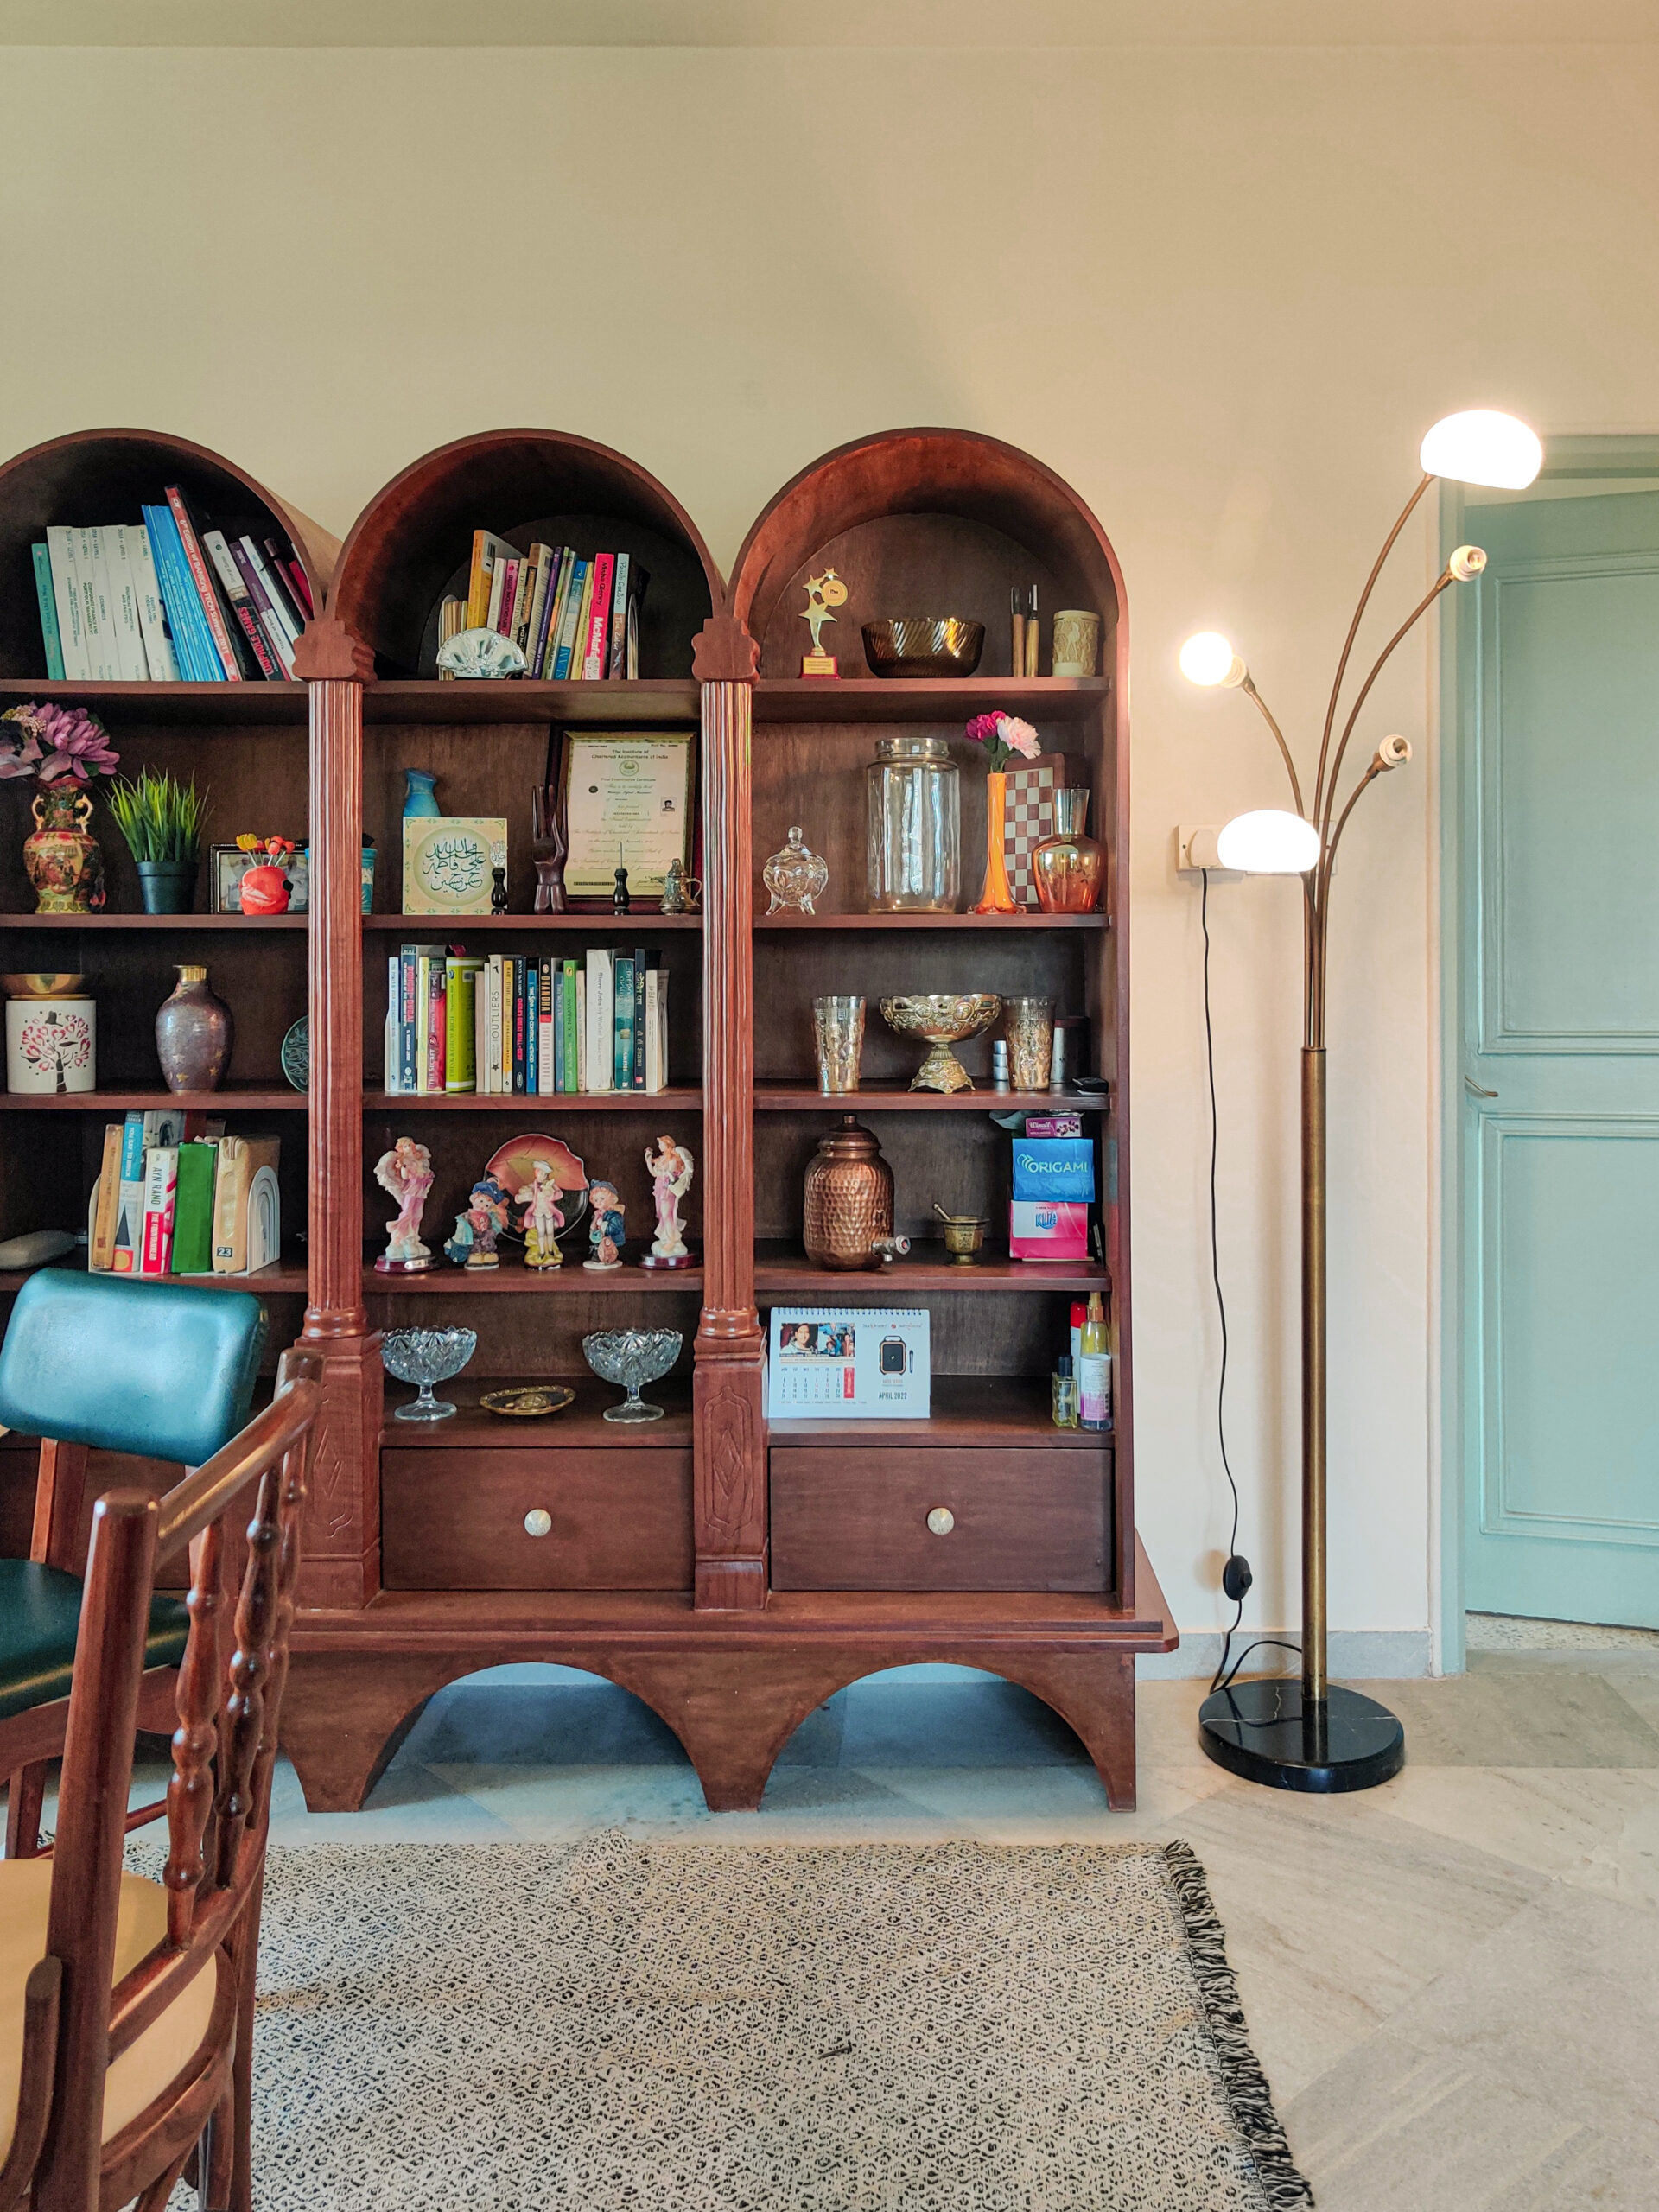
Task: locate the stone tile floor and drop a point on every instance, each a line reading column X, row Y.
column 1453, row 1980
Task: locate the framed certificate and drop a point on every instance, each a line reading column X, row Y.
column 628, row 802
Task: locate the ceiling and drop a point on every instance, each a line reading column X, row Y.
column 948, row 24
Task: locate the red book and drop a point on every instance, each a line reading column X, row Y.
column 436, row 1028
column 161, row 1191
column 201, row 577
column 294, row 576
column 593, row 650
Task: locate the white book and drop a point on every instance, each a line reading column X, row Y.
column 123, row 604
column 162, row 661
column 498, row 580
column 65, row 589
column 545, row 1084
column 582, row 1029
column 480, row 1029
column 492, row 1017
column 94, row 576
column 393, row 983
column 283, row 619
column 601, row 1018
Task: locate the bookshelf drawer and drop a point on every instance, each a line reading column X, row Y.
column 858, row 1518
column 599, row 1519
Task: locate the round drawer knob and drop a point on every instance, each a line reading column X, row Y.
column 941, row 1521
column 539, row 1521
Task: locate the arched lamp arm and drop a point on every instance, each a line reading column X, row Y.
column 1250, row 692
column 1353, row 631
column 1447, row 576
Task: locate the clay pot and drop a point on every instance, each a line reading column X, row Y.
column 194, row 1034
column 64, row 863
column 848, row 1199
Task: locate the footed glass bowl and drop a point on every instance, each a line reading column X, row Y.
column 426, row 1356
column 632, row 1357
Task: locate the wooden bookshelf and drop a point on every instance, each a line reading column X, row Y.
column 662, row 1572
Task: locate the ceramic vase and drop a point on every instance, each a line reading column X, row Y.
column 996, row 897
column 420, row 795
column 1067, row 867
column 194, row 1034
column 848, row 1202
column 51, row 1045
column 64, row 861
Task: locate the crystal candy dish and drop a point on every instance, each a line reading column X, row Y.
column 632, row 1357
column 426, row 1356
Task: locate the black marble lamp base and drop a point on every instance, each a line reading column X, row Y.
column 1260, row 1730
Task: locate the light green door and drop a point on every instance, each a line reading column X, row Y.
column 1559, row 1173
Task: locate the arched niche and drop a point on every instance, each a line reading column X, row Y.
column 926, row 522
column 106, row 476
column 413, row 543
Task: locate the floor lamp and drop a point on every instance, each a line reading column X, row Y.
column 1311, row 1734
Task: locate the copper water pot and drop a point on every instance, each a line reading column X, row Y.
column 848, row 1199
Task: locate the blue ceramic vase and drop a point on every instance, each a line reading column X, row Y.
column 421, row 795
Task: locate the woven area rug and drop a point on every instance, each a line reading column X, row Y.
column 626, row 2026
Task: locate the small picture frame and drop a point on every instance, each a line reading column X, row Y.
column 627, row 799
column 230, row 864
column 449, row 860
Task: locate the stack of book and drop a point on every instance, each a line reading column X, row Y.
column 516, row 1026
column 575, row 620
column 177, row 1197
column 168, row 598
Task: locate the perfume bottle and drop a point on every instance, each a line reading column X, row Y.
column 1095, row 1368
column 1065, row 1393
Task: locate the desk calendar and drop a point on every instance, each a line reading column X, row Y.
column 848, row 1363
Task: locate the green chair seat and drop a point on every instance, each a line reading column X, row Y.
column 39, row 1619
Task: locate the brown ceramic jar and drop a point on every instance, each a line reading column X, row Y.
column 193, row 1033
column 848, row 1199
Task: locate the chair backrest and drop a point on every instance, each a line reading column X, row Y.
column 219, row 1798
column 163, row 1370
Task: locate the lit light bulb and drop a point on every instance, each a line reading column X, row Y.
column 1482, row 446
column 1208, row 659
column 1268, row 841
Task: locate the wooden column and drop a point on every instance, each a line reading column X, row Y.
column 341, row 1546
column 728, row 1407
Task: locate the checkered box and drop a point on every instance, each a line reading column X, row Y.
column 1030, row 818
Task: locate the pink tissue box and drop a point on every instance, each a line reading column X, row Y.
column 1053, row 1125
column 1048, row 1229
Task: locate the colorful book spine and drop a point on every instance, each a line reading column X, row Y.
column 558, row 598
column 519, row 1061
column 599, row 616
column 461, row 971
column 545, row 1063
column 201, row 577
column 616, row 650
column 408, row 1075
column 192, row 1212
column 65, row 591
column 532, row 1027
column 161, row 1193
column 159, row 652
column 570, row 1019
column 293, row 574
column 542, row 563
column 100, row 1250
column 49, row 606
column 241, row 603
column 129, row 1217
column 192, row 638
column 568, row 619
column 643, row 963
column 273, row 626
column 622, row 1027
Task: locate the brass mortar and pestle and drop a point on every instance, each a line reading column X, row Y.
column 964, row 1233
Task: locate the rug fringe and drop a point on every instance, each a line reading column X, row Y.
column 1246, row 2085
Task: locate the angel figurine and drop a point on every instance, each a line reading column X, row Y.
column 543, row 1218
column 473, row 1244
column 608, row 1231
column 405, row 1174
column 670, row 1167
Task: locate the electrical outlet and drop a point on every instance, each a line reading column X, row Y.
column 1195, row 851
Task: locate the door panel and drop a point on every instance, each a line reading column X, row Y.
column 1560, row 990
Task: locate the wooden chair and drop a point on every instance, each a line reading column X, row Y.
column 164, row 1370
column 126, row 2006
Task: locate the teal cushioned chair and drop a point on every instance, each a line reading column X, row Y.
column 98, row 1362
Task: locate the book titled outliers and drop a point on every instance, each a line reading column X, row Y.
column 513, row 1024
column 170, row 598
column 574, row 619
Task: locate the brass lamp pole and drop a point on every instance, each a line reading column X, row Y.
column 1313, row 1735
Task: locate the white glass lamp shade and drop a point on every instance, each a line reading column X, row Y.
column 1482, row 446
column 1268, row 841
column 1208, row 659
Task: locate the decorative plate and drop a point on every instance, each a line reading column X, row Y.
column 512, row 1163
column 481, row 652
column 297, row 1054
column 531, row 1404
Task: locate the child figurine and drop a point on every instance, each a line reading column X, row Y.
column 670, row 1170
column 473, row 1244
column 543, row 1217
column 405, row 1174
column 608, row 1230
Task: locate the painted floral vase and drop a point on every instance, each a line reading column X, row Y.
column 64, row 861
column 194, row 1034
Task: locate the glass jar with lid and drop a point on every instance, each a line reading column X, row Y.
column 915, row 827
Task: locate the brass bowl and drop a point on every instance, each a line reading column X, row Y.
column 531, row 1404
column 964, row 1233
column 43, row 986
column 923, row 644
column 944, row 1018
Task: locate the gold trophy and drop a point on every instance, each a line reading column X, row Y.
column 822, row 592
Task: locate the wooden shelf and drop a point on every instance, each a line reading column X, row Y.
column 229, row 1100
column 254, row 923
column 171, row 705
column 482, row 699
column 583, row 1423
column 282, row 1275
column 570, row 1280
column 648, row 924
column 926, row 699
column 1015, row 923
column 783, row 1271
column 558, row 1101
column 968, row 1409
column 789, row 1098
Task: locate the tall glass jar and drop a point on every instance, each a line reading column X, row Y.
column 915, row 827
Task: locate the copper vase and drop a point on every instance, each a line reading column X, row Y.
column 193, row 1033
column 1067, row 867
column 848, row 1199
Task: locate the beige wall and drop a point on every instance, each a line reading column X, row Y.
column 1223, row 292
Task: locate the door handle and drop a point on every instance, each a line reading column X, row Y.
column 1470, row 1084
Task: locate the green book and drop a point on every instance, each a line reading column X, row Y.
column 192, row 1210
column 46, row 593
column 572, row 1047
column 461, row 972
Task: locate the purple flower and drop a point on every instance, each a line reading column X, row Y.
column 69, row 744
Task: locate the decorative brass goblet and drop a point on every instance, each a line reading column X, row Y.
column 944, row 1018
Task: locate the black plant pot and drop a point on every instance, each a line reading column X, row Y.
column 167, row 886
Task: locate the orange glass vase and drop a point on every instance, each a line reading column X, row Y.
column 1068, row 867
column 996, row 897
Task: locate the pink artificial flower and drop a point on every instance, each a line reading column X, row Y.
column 1019, row 737
column 76, row 745
column 1003, row 736
column 982, row 730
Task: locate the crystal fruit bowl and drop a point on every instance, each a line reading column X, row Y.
column 426, row 1356
column 631, row 1358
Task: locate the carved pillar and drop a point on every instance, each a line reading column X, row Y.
column 340, row 1555
column 728, row 1387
